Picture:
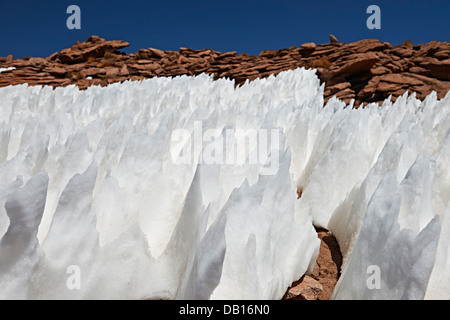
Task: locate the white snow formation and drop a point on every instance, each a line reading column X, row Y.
column 94, row 203
column 7, row 69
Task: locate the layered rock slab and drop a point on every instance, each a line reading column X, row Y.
column 366, row 69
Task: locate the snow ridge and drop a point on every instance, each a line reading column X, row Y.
column 91, row 181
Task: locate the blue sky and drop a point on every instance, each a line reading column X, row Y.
column 38, row 28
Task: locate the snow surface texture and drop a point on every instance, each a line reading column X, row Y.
column 93, row 205
column 7, row 69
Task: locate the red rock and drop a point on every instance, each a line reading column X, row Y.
column 56, row 71
column 419, row 70
column 151, row 66
column 428, row 49
column 438, row 69
column 37, row 62
column 393, row 67
column 226, row 67
column 204, row 53
column 351, row 64
column 93, row 71
column 308, row 46
column 226, row 55
column 333, row 39
column 53, row 56
column 425, row 79
column 112, row 71
column 279, row 66
column 176, row 71
column 376, row 71
column 124, row 71
column 307, row 289
column 166, row 61
column 78, row 67
column 94, row 47
column 142, row 54
column 268, row 53
column 368, row 92
column 182, row 59
column 336, row 88
column 327, row 50
column 442, row 55
column 18, row 63
column 184, row 50
column 283, row 53
column 400, row 79
column 421, row 91
column 365, row 45
column 328, row 264
column 156, row 53
column 388, row 87
column 422, row 60
column 261, row 67
column 143, row 61
column 345, row 95
column 403, row 51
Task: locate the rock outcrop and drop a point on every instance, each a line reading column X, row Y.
column 93, row 48
column 306, row 288
column 367, row 70
column 319, row 285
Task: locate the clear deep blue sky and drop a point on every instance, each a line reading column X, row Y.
column 38, row 28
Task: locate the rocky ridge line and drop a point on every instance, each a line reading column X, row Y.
column 367, row 70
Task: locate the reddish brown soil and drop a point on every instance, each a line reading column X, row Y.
column 328, row 264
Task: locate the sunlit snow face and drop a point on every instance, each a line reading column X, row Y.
column 185, row 188
column 153, row 189
column 7, row 69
